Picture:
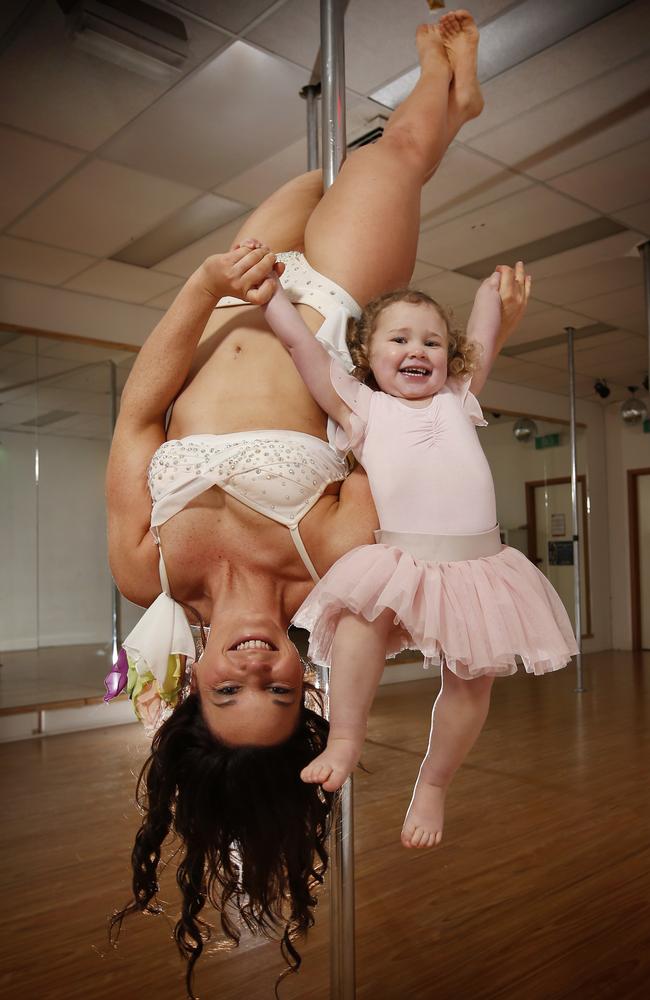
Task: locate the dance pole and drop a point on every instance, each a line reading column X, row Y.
column 311, row 93
column 115, row 594
column 577, row 583
column 644, row 250
column 342, row 952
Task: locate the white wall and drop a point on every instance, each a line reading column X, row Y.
column 592, row 460
column 627, row 448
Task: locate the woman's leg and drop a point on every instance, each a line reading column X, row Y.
column 280, row 221
column 358, row 660
column 457, row 719
column 363, row 234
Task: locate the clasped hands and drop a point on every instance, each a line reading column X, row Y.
column 249, row 271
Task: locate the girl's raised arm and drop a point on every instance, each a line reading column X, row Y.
column 309, row 356
column 499, row 306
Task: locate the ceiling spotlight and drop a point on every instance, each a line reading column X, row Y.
column 633, row 410
column 601, row 387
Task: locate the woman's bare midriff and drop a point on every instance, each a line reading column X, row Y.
column 243, row 379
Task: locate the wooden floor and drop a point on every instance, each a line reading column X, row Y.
column 540, row 891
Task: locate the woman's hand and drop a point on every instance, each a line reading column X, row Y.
column 514, row 292
column 248, row 271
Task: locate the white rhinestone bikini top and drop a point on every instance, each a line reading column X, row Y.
column 280, row 474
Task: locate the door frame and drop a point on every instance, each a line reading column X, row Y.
column 635, row 568
column 531, row 518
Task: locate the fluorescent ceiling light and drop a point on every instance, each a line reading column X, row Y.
column 189, row 224
column 520, row 33
column 135, row 36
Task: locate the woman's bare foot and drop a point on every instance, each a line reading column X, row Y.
column 333, row 766
column 424, row 819
column 431, row 50
column 459, row 36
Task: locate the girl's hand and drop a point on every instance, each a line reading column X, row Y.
column 248, row 271
column 514, row 291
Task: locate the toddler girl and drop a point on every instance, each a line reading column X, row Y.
column 438, row 579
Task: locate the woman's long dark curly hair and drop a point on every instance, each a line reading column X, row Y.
column 253, row 834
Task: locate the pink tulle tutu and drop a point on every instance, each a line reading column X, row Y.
column 477, row 614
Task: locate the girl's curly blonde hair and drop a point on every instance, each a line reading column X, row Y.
column 462, row 355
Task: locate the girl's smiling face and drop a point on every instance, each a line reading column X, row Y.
column 408, row 350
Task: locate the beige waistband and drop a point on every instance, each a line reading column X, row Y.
column 444, row 548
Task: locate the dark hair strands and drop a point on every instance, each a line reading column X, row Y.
column 253, row 835
column 462, row 354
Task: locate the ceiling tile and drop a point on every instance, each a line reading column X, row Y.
column 214, row 126
column 257, row 183
column 372, row 56
column 125, row 282
column 612, row 183
column 604, row 276
column 35, row 262
column 450, row 289
column 552, row 357
column 610, row 248
column 423, row 270
column 101, row 208
column 547, row 323
column 52, row 88
column 165, row 300
column 28, row 168
column 187, row 260
column 233, row 15
column 637, row 216
column 602, row 46
column 465, row 181
column 518, row 219
column 625, row 308
column 577, row 127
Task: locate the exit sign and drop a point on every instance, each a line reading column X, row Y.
column 547, row 441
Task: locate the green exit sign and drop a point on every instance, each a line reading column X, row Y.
column 547, row 441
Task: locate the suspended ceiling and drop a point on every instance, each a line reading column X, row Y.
column 556, row 168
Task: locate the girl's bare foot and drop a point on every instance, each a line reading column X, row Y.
column 333, row 766
column 431, row 50
column 424, row 819
column 459, row 36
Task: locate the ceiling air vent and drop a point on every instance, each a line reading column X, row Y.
column 129, row 33
column 377, row 125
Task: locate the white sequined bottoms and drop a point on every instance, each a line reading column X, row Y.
column 305, row 286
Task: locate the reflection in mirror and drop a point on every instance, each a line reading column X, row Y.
column 531, row 463
column 55, row 588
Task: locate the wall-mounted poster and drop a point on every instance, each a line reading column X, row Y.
column 558, row 525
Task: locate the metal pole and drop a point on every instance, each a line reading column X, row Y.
column 577, row 583
column 333, row 83
column 342, row 946
column 644, row 251
column 310, row 93
column 115, row 594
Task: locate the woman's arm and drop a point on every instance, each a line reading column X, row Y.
column 309, row 356
column 159, row 372
column 498, row 309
